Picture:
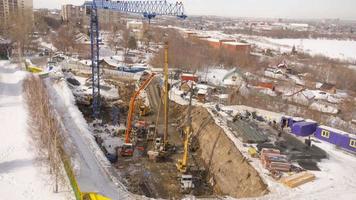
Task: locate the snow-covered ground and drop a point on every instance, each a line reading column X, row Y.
column 22, row 175
column 337, row 49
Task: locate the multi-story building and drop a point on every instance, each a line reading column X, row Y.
column 72, row 13
column 77, row 14
column 4, row 10
column 8, row 7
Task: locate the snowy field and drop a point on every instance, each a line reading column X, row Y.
column 22, row 177
column 336, row 49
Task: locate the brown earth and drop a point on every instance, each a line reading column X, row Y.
column 230, row 171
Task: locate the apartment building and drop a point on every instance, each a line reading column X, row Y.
column 77, row 14
column 8, row 7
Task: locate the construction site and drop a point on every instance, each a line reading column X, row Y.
column 137, row 100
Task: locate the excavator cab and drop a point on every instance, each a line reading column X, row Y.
column 182, row 168
column 144, row 110
column 127, row 150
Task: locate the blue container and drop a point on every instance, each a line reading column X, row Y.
column 292, row 120
column 336, row 137
column 304, row 129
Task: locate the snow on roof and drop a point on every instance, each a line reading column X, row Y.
column 214, row 76
column 223, row 96
column 236, row 43
column 111, row 61
column 202, row 91
column 202, row 86
column 189, row 75
column 212, row 39
column 299, row 25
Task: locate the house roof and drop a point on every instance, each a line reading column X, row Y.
column 327, row 86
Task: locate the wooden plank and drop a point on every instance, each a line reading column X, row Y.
column 298, row 179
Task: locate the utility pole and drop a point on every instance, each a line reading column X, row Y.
column 166, row 89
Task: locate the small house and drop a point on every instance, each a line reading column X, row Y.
column 201, row 96
column 185, row 77
column 328, row 87
column 266, row 85
column 223, row 99
column 109, row 63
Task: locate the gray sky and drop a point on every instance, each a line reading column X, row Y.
column 344, row 9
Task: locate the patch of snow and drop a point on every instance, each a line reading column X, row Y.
column 22, row 177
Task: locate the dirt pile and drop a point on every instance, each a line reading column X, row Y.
column 230, row 171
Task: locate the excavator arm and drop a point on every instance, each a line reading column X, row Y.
column 132, row 107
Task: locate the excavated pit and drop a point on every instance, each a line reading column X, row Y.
column 230, row 172
column 221, row 167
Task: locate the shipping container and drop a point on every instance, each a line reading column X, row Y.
column 287, row 121
column 304, row 129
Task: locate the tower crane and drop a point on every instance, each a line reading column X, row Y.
column 149, row 10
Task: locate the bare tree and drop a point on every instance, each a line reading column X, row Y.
column 18, row 29
column 114, row 38
column 44, row 129
column 65, row 38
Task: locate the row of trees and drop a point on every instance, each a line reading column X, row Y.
column 44, row 128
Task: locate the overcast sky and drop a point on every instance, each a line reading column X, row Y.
column 344, row 9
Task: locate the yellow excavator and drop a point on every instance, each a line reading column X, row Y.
column 144, row 109
column 94, row 196
column 182, row 164
column 35, row 69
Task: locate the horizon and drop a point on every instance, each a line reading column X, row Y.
column 266, row 9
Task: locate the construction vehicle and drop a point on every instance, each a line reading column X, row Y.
column 186, row 183
column 30, row 67
column 128, row 148
column 182, row 164
column 151, row 132
column 164, row 145
column 144, row 109
column 94, row 196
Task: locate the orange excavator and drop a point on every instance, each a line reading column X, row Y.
column 128, row 148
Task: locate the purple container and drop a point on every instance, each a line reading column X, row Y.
column 291, row 121
column 336, row 137
column 304, row 129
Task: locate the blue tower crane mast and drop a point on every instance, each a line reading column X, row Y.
column 149, row 10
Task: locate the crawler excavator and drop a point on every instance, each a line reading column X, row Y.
column 128, row 147
column 182, row 164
